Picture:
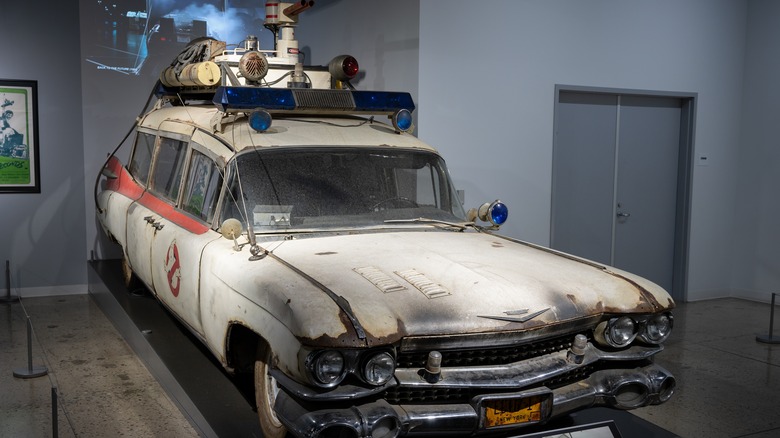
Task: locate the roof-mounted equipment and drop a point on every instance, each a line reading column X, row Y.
column 253, row 64
column 281, row 19
column 342, row 69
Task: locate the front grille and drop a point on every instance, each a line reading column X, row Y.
column 476, row 357
column 488, row 356
column 407, row 395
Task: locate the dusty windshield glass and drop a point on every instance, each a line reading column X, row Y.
column 319, row 188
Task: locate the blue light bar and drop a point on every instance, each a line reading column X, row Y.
column 247, row 98
column 311, row 100
column 383, row 101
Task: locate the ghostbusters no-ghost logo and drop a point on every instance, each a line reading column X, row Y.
column 173, row 269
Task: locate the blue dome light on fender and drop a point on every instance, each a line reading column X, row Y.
column 260, row 120
column 402, row 120
column 498, row 213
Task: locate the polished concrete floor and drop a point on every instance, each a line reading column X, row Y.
column 103, row 389
column 729, row 384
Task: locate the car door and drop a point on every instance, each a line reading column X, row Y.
column 182, row 229
column 139, row 232
column 149, row 215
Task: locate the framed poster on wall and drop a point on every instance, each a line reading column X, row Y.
column 19, row 164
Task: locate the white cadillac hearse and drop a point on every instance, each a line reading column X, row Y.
column 304, row 240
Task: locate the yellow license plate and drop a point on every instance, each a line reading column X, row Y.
column 504, row 412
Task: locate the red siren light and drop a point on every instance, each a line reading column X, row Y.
column 343, row 68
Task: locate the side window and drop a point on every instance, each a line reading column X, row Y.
column 202, row 187
column 168, row 166
column 142, row 157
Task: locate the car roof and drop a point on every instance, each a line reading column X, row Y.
column 287, row 130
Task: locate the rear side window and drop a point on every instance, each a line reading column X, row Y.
column 142, row 157
column 168, row 166
column 202, row 187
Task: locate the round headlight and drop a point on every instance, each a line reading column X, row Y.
column 379, row 368
column 328, row 368
column 658, row 328
column 621, row 331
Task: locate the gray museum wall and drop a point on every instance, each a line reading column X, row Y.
column 382, row 36
column 483, row 78
column 43, row 235
column 491, row 75
column 756, row 235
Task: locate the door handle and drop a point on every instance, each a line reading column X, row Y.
column 149, row 219
column 158, row 226
column 623, row 215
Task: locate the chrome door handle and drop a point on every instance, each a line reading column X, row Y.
column 623, row 214
column 149, row 219
column 158, row 226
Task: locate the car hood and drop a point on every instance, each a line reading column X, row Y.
column 420, row 283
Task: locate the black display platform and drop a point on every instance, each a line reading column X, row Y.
column 214, row 401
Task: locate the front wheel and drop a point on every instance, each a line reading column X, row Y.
column 266, row 390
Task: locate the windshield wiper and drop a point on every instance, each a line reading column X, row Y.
column 460, row 226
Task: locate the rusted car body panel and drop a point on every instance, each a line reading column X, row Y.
column 415, row 287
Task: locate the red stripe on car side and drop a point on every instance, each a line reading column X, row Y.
column 124, row 184
column 167, row 211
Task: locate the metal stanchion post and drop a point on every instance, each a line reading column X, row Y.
column 30, row 371
column 768, row 339
column 8, row 298
column 54, row 419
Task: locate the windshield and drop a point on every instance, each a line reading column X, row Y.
column 297, row 189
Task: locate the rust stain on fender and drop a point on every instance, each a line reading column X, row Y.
column 645, row 294
column 350, row 338
column 649, row 303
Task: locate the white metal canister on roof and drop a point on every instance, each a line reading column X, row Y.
column 199, row 74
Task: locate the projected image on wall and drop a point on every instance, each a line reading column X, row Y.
column 134, row 36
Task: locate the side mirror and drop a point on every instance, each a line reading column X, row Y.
column 496, row 213
column 231, row 228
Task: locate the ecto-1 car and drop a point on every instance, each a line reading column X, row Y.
column 304, row 240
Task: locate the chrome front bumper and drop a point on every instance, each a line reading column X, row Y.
column 618, row 388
